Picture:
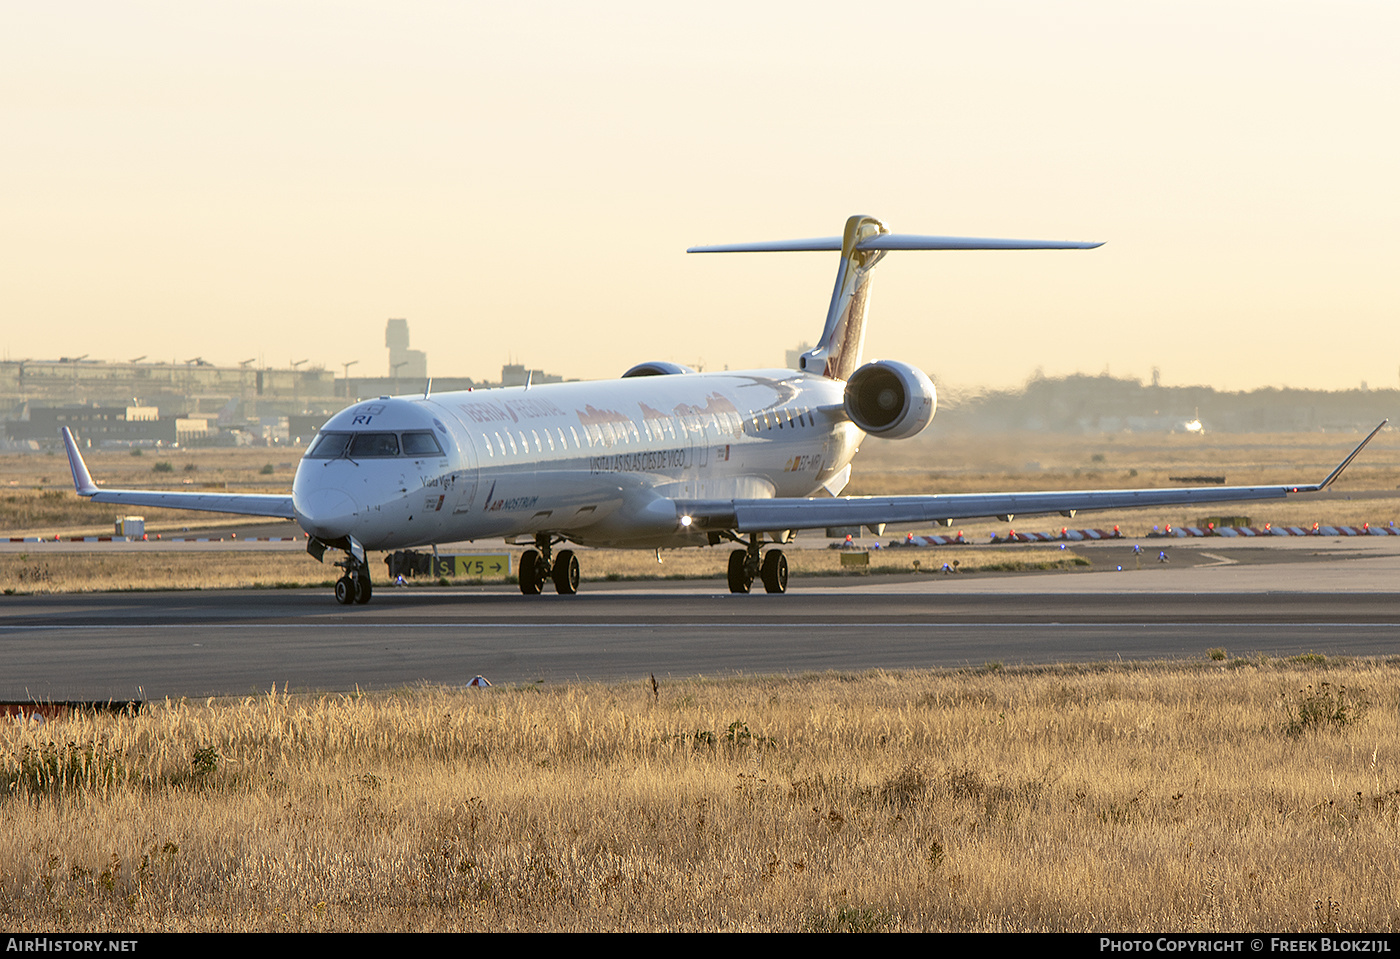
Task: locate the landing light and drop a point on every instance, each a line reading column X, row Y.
column 685, row 520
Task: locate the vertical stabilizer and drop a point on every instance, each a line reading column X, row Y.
column 837, row 353
column 864, row 243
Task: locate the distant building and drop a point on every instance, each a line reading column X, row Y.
column 301, row 428
column 174, row 389
column 514, row 374
column 403, row 362
column 96, row 426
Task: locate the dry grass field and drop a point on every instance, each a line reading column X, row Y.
column 1226, row 794
column 1222, row 795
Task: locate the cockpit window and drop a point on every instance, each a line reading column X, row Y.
column 421, row 444
column 328, row 446
column 374, row 444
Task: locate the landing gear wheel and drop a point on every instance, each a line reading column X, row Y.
column 363, row 588
column 345, row 591
column 775, row 571
column 740, row 579
column 531, row 573
column 566, row 573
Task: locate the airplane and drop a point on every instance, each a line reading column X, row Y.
column 662, row 457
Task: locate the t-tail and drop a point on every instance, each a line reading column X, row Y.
column 863, row 244
column 837, row 354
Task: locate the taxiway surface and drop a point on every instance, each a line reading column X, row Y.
column 1332, row 597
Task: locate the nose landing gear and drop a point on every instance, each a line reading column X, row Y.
column 539, row 565
column 353, row 588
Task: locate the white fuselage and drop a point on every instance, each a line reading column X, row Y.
column 599, row 463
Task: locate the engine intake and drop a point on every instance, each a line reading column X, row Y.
column 890, row 399
column 657, row 368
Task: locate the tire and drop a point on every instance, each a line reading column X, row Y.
column 739, row 579
column 775, row 571
column 530, row 579
column 363, row 588
column 344, row 591
column 566, row 573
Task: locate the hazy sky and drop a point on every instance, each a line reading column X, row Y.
column 520, row 181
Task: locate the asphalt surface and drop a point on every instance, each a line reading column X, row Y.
column 1336, row 597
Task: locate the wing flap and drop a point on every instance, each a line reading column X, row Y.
column 759, row 515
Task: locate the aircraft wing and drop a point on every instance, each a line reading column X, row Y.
column 247, row 504
column 762, row 515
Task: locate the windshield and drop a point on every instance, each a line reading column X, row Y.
column 421, row 444
column 373, row 444
column 329, row 446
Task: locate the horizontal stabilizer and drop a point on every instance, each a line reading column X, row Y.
column 893, row 241
column 865, row 242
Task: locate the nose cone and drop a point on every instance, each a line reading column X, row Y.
column 326, row 513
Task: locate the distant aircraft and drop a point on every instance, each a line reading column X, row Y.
column 663, row 457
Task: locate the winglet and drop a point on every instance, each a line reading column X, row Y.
column 82, row 479
column 1347, row 462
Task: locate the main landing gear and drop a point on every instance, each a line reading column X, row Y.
column 353, row 587
column 539, row 565
column 745, row 567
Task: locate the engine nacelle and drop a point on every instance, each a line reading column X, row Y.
column 657, row 368
column 891, row 400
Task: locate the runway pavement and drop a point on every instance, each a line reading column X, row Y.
column 1332, row 597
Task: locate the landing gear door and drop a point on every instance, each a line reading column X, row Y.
column 464, row 478
column 465, row 483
